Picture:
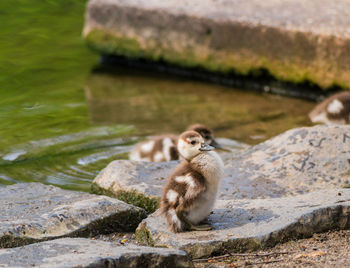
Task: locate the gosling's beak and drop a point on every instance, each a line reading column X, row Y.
column 219, row 146
column 206, row 147
column 216, row 145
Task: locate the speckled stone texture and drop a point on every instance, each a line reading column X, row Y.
column 243, row 224
column 295, row 162
column 32, row 212
column 294, row 40
column 81, row 252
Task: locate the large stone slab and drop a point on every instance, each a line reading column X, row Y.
column 251, row 224
column 295, row 162
column 32, row 212
column 294, row 40
column 81, row 252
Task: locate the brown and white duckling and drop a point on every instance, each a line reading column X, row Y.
column 163, row 148
column 157, row 149
column 333, row 110
column 189, row 195
column 206, row 133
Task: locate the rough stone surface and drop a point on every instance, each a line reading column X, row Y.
column 297, row 161
column 251, row 224
column 146, row 178
column 81, row 252
column 294, row 40
column 32, row 212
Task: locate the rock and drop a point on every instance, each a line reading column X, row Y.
column 81, row 252
column 312, row 44
column 32, row 212
column 295, row 162
column 144, row 177
column 252, row 224
column 134, row 182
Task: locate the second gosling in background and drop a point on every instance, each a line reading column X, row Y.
column 190, row 193
column 163, row 148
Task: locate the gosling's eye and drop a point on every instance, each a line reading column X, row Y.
column 207, row 137
column 193, row 142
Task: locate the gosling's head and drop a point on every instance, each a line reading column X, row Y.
column 206, row 133
column 191, row 144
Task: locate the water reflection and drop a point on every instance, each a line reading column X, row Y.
column 156, row 103
column 70, row 161
column 125, row 104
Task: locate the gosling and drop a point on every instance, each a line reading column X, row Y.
column 333, row 110
column 189, row 195
column 163, row 148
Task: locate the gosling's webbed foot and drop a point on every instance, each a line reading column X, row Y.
column 204, row 227
column 189, row 226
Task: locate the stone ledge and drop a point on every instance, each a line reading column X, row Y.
column 246, row 225
column 294, row 40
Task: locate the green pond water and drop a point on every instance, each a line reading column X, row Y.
column 61, row 122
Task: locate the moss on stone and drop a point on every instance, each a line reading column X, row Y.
column 139, row 200
column 222, row 61
column 130, row 197
column 143, row 235
column 110, row 44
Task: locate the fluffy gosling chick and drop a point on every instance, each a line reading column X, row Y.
column 189, row 195
column 333, row 110
column 206, row 133
column 157, row 149
column 163, row 148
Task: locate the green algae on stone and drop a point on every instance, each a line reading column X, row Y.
column 217, row 43
column 149, row 204
column 215, row 61
column 100, row 40
column 143, row 235
column 139, row 200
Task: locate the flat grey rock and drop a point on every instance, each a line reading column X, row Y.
column 220, row 35
column 295, row 162
column 81, row 252
column 32, row 212
column 251, row 224
column 146, row 178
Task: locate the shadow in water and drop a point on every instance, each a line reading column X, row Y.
column 258, row 79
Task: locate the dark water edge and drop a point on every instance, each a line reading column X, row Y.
column 258, row 80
